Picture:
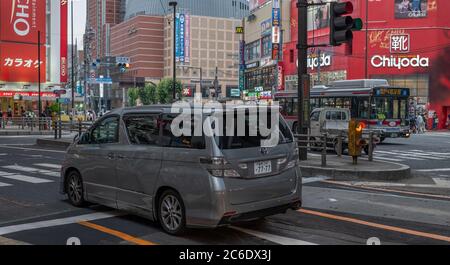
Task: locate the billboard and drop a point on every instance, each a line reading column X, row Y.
column 318, row 16
column 63, row 44
column 21, row 20
column 254, row 4
column 411, row 8
column 19, row 62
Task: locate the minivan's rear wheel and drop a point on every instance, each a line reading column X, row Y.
column 171, row 213
column 74, row 188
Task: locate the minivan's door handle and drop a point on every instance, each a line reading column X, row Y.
column 110, row 156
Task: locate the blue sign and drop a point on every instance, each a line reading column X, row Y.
column 63, row 100
column 181, row 37
column 104, row 80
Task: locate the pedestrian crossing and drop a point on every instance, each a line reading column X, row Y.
column 39, row 173
column 410, row 155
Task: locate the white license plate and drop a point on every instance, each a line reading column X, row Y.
column 394, row 135
column 264, row 167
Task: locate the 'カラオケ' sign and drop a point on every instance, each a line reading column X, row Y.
column 21, row 20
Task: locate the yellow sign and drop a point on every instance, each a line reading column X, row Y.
column 239, row 30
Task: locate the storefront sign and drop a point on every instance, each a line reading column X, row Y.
column 276, row 35
column 410, row 8
column 399, row 62
column 313, row 62
column 252, row 65
column 280, row 83
column 266, row 27
column 26, row 94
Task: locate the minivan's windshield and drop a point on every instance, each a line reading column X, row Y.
column 247, row 140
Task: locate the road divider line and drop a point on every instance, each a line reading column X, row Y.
column 58, row 222
column 33, row 170
column 32, row 149
column 47, row 165
column 376, row 225
column 27, row 179
column 389, row 190
column 4, row 184
column 116, row 233
column 273, row 238
column 434, row 170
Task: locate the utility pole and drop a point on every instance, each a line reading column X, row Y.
column 174, row 81
column 366, row 61
column 303, row 78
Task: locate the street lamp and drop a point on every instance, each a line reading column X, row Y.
column 174, row 5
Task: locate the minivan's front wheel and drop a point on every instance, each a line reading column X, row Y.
column 74, row 188
column 171, row 213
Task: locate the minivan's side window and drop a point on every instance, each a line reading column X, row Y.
column 142, row 129
column 187, row 142
column 315, row 116
column 106, row 131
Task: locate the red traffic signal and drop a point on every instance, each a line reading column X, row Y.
column 341, row 26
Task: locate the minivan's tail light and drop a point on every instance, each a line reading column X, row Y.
column 294, row 160
column 219, row 167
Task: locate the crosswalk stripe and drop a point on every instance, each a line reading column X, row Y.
column 4, row 184
column 28, row 179
column 33, row 170
column 388, row 159
column 54, row 166
column 402, row 156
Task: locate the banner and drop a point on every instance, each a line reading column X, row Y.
column 21, row 20
column 64, row 42
column 187, row 39
column 19, row 62
column 411, row 8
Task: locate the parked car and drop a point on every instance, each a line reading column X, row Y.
column 130, row 160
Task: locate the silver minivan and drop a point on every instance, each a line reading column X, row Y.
column 130, row 160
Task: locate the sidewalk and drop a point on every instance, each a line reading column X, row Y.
column 342, row 169
column 27, row 131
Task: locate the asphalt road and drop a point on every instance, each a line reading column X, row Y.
column 33, row 212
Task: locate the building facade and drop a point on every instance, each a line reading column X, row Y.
column 407, row 44
column 265, row 32
column 20, row 58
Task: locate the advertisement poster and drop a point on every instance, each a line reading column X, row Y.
column 19, row 62
column 182, row 23
column 318, row 16
column 22, row 20
column 411, row 8
column 187, row 38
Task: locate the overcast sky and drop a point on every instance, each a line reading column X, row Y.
column 79, row 18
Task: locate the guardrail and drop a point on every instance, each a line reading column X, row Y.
column 26, row 123
column 336, row 143
column 74, row 126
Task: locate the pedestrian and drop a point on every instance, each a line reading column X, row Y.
column 420, row 124
column 9, row 114
column 448, row 122
column 435, row 121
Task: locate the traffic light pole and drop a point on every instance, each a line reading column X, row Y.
column 302, row 48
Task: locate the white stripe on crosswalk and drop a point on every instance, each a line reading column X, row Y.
column 33, row 170
column 54, row 166
column 434, row 170
column 4, row 184
column 388, row 159
column 402, row 156
column 28, row 179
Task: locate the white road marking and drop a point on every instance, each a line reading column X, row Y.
column 434, row 170
column 388, row 159
column 273, row 238
column 28, row 179
column 332, row 200
column 4, row 184
column 402, row 156
column 442, row 182
column 33, row 170
column 57, row 222
column 54, row 166
column 390, row 184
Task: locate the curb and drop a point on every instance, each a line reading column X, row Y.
column 53, row 143
column 403, row 172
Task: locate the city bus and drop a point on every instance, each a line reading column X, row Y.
column 373, row 101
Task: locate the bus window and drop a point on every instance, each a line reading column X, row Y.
column 363, row 108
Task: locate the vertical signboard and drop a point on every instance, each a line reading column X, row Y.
column 242, row 65
column 181, row 37
column 276, row 29
column 187, row 39
column 177, row 37
column 63, row 44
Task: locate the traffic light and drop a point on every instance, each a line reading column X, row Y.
column 123, row 67
column 355, row 141
column 342, row 27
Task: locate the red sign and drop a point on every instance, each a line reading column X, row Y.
column 19, row 62
column 21, row 20
column 280, row 83
column 26, row 94
column 63, row 48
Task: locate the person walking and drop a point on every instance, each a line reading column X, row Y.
column 420, row 124
column 435, row 121
column 9, row 115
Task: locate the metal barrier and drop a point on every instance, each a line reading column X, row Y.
column 26, row 123
column 78, row 126
column 324, row 143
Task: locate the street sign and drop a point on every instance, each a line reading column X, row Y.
column 60, row 92
column 239, row 30
column 63, row 100
column 123, row 60
column 104, row 80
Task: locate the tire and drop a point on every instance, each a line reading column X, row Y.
column 171, row 213
column 75, row 189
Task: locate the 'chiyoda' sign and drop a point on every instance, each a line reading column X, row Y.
column 400, row 46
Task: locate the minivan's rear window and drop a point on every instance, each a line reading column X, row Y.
column 236, row 141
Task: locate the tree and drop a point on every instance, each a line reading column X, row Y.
column 133, row 95
column 147, row 95
column 164, row 90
